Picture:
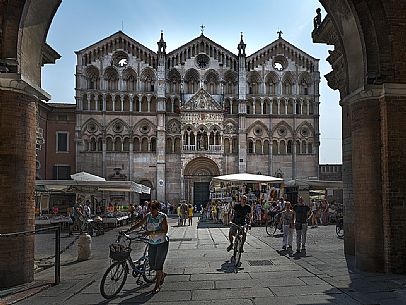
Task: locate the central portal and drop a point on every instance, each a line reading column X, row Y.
column 201, row 193
column 196, row 180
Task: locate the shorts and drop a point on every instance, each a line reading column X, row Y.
column 157, row 255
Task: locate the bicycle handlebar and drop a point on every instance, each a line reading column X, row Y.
column 139, row 236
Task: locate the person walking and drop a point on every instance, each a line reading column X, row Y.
column 302, row 212
column 157, row 232
column 288, row 216
column 190, row 214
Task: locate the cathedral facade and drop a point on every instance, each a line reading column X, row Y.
column 174, row 120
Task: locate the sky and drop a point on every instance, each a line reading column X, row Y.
column 80, row 23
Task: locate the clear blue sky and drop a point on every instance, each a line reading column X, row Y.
column 80, row 23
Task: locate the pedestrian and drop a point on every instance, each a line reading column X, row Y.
column 184, row 212
column 302, row 212
column 287, row 224
column 190, row 214
column 179, row 215
column 157, row 232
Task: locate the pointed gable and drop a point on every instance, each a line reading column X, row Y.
column 286, row 49
column 117, row 42
column 201, row 101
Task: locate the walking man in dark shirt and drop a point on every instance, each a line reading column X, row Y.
column 241, row 214
column 302, row 212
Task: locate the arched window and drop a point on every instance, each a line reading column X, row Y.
column 85, row 102
column 290, row 107
column 118, row 145
column 227, row 107
column 298, row 150
column 226, row 146
column 109, row 103
column 117, row 103
column 289, row 147
column 100, row 145
column 235, row 146
column 275, row 150
column 250, row 147
column 258, row 147
column 265, row 147
column 126, row 144
column 93, row 144
column 153, row 144
column 304, row 147
column 177, row 145
column 274, row 107
column 136, row 145
column 309, row 148
column 144, row 145
column 109, row 144
column 282, row 147
column 235, row 107
column 168, row 145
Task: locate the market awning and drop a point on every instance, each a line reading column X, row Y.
column 84, row 176
column 315, row 184
column 245, row 177
column 90, row 186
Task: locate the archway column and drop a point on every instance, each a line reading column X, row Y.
column 17, row 183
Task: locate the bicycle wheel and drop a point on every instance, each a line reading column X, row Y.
column 148, row 275
column 339, row 231
column 270, row 229
column 113, row 279
column 237, row 250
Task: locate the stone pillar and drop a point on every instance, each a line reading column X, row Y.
column 17, row 182
column 348, row 196
column 366, row 155
column 393, row 141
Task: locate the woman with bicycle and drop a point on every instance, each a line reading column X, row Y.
column 157, row 232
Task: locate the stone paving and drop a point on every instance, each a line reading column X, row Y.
column 200, row 273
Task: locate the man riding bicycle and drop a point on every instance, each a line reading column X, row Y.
column 241, row 215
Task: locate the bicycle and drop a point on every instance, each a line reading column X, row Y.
column 340, row 226
column 238, row 242
column 116, row 274
column 273, row 224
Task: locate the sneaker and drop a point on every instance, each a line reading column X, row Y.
column 229, row 247
column 284, row 248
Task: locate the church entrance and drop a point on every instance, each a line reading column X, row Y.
column 196, row 180
column 201, row 193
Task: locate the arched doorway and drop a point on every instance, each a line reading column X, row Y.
column 196, row 180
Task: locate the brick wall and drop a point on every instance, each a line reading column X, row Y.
column 17, row 174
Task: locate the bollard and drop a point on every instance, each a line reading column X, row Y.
column 84, row 247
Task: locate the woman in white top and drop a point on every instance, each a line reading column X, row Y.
column 157, row 231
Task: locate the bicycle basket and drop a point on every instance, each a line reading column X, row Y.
column 119, row 252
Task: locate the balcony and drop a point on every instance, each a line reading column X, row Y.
column 194, row 148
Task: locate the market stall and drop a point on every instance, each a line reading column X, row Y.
column 83, row 188
column 227, row 189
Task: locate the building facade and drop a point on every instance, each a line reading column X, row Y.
column 174, row 120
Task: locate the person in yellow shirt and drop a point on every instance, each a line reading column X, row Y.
column 190, row 214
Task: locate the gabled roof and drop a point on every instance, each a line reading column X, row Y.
column 284, row 42
column 199, row 39
column 118, row 34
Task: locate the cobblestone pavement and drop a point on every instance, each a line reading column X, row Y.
column 200, row 273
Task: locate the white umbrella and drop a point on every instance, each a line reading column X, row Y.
column 84, row 176
column 245, row 177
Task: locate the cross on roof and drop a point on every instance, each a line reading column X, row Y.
column 202, row 28
column 280, row 33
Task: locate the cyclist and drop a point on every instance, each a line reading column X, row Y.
column 157, row 231
column 240, row 215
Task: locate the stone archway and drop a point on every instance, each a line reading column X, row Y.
column 196, row 179
column 369, row 69
column 23, row 51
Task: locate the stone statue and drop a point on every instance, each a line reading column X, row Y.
column 317, row 19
